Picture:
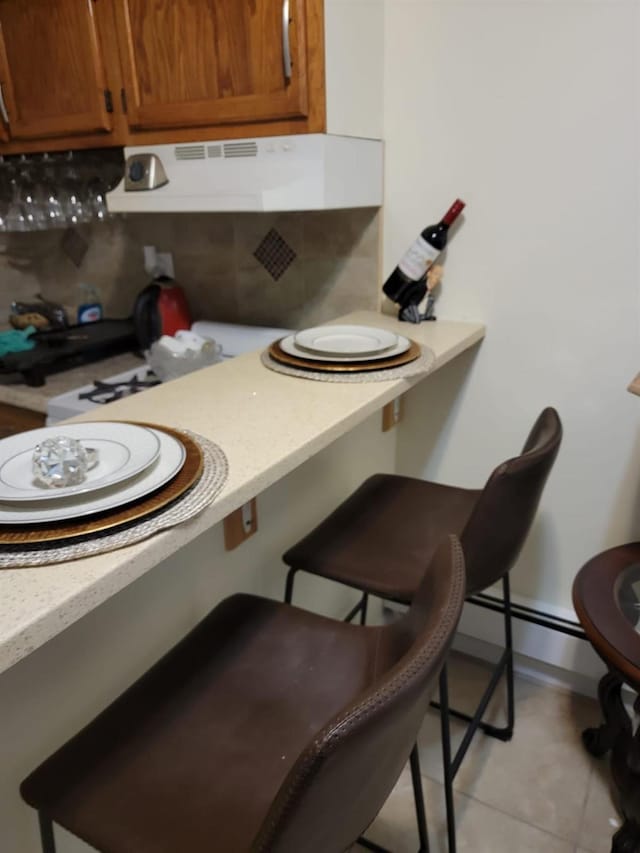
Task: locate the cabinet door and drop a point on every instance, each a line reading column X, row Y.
column 207, row 62
column 53, row 74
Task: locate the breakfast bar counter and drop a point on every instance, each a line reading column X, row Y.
column 266, row 423
column 75, row 634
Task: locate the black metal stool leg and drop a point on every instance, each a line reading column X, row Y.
column 46, row 833
column 363, row 610
column 508, row 633
column 504, row 665
column 446, row 759
column 360, row 607
column 288, row 590
column 418, row 795
column 505, row 733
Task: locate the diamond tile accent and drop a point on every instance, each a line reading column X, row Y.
column 275, row 254
column 74, row 246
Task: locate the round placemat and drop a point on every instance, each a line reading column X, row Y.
column 215, row 470
column 17, row 535
column 418, row 367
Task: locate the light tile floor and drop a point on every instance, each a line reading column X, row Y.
column 539, row 792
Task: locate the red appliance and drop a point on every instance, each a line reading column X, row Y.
column 160, row 309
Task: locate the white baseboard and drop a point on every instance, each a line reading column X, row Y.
column 541, row 654
column 532, row 668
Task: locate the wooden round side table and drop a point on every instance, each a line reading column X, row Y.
column 606, row 597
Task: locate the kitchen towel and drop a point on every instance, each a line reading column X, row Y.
column 16, row 340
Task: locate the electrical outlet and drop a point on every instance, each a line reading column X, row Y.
column 240, row 525
column 157, row 263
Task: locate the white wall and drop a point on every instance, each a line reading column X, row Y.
column 528, row 110
column 354, row 44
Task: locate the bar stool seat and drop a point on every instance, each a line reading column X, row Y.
column 373, row 542
column 255, row 732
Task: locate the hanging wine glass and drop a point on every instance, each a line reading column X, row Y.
column 96, row 198
column 53, row 211
column 16, row 219
column 73, row 206
column 34, row 214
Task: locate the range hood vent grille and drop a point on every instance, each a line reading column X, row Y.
column 189, row 152
column 227, row 150
column 241, row 149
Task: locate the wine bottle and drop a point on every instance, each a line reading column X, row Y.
column 414, row 264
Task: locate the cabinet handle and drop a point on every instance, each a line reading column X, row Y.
column 286, row 44
column 3, row 108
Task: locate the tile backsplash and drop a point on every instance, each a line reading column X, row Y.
column 289, row 269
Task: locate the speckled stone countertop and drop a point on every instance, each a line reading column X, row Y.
column 260, row 419
column 16, row 393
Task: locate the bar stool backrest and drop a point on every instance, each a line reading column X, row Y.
column 501, row 519
column 342, row 779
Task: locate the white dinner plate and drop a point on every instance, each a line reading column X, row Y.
column 170, row 460
column 345, row 340
column 124, row 450
column 289, row 346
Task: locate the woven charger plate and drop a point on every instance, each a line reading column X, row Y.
column 276, row 352
column 183, row 506
column 183, row 480
column 417, row 361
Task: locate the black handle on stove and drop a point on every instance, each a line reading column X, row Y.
column 146, row 317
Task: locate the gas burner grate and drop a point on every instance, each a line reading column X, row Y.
column 275, row 254
column 108, row 392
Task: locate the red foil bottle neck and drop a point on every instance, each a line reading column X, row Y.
column 454, row 211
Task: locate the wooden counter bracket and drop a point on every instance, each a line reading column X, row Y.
column 240, row 525
column 392, row 414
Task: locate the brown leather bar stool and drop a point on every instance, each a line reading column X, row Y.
column 268, row 728
column 381, row 537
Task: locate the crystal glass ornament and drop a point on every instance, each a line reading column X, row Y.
column 62, row 461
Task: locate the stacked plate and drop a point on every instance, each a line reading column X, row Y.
column 344, row 348
column 140, row 469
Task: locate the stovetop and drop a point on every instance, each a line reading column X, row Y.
column 100, row 391
column 106, row 391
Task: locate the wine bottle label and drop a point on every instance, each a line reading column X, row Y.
column 417, row 259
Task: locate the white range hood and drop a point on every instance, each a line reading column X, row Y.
column 303, row 172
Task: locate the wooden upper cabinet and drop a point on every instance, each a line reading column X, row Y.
column 206, row 62
column 52, row 69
